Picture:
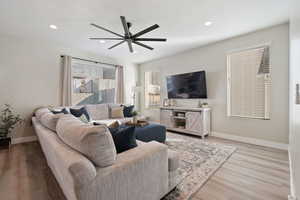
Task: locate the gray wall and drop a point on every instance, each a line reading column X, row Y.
column 212, row 59
column 30, row 75
column 294, row 147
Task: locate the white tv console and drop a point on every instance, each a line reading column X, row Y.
column 195, row 121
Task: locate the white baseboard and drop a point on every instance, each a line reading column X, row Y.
column 291, row 198
column 251, row 140
column 292, row 195
column 23, row 139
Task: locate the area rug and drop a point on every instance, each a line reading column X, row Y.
column 199, row 160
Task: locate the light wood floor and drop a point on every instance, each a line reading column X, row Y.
column 252, row 173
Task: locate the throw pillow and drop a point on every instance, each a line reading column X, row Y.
column 127, row 110
column 117, row 112
column 115, row 124
column 124, row 138
column 40, row 112
column 79, row 112
column 95, row 142
column 49, row 120
column 83, row 119
column 64, row 111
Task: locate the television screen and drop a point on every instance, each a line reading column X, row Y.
column 187, row 86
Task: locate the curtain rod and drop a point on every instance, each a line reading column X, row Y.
column 93, row 61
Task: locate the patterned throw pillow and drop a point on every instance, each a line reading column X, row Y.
column 83, row 119
column 117, row 112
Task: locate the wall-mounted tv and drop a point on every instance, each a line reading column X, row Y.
column 187, row 86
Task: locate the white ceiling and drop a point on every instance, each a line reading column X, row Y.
column 181, row 22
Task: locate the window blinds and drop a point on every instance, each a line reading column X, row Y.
column 249, row 83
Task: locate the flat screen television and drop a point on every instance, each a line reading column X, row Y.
column 187, row 86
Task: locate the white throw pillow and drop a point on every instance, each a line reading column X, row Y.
column 49, row 120
column 95, row 142
column 40, row 112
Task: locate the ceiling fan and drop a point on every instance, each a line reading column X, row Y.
column 129, row 37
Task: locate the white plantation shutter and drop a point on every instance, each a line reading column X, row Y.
column 248, row 74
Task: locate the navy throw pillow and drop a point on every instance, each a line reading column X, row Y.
column 64, row 111
column 124, row 138
column 79, row 112
column 127, row 111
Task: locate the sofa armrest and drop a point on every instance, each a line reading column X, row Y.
column 139, row 173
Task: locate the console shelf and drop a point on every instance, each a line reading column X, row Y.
column 195, row 121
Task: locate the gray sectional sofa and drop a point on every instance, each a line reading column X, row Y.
column 84, row 162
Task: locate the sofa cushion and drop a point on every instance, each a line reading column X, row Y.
column 124, row 138
column 41, row 111
column 110, row 121
column 98, row 111
column 95, row 142
column 79, row 112
column 49, row 120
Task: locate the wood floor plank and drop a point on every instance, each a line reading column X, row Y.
column 251, row 173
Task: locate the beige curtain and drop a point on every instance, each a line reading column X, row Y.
column 119, row 96
column 66, row 90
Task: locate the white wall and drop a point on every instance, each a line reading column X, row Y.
column 212, row 59
column 294, row 109
column 30, row 75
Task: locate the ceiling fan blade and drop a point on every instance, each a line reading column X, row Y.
column 143, row 45
column 151, row 39
column 125, row 26
column 117, row 44
column 130, row 45
column 151, row 28
column 106, row 38
column 102, row 28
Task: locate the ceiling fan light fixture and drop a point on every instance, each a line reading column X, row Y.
column 128, row 37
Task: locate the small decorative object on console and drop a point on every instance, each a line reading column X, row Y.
column 204, row 105
column 166, row 102
column 134, row 115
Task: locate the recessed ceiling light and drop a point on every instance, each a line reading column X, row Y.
column 208, row 23
column 102, row 41
column 134, row 52
column 53, row 26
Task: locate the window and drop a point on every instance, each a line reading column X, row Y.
column 92, row 83
column 249, row 83
column 152, row 89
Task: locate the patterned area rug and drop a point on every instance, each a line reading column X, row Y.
column 199, row 160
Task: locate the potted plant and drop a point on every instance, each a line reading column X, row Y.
column 134, row 115
column 8, row 121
